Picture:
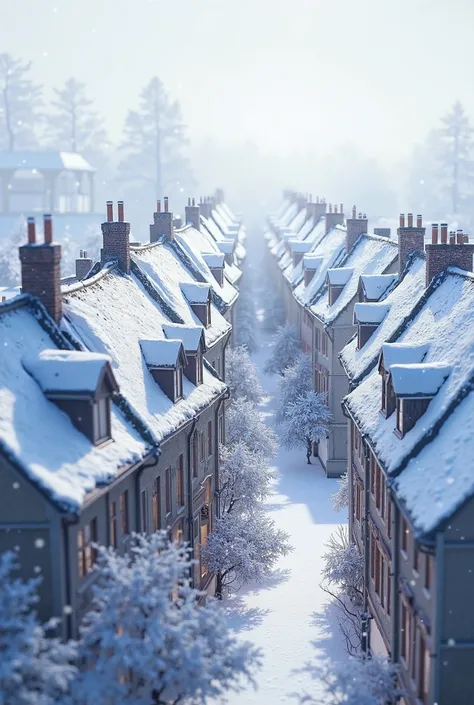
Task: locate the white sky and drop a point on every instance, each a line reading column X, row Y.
column 284, row 75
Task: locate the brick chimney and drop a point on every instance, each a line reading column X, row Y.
column 441, row 254
column 83, row 265
column 191, row 214
column 220, row 196
column 116, row 238
column 162, row 222
column 356, row 226
column 205, row 207
column 316, row 210
column 41, row 268
column 334, row 218
column 411, row 238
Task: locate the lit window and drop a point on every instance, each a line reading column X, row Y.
column 86, row 553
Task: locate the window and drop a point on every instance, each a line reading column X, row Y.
column 124, row 512
column 198, row 369
column 168, row 490
column 144, row 511
column 324, row 343
column 428, row 571
column 208, row 314
column 178, row 532
column 101, row 419
column 424, row 671
column 388, row 518
column 204, row 530
column 415, row 557
column 113, row 524
column 373, row 472
column 372, row 555
column 178, row 383
column 201, row 446
column 156, row 503
column 406, row 633
column 357, row 499
column 400, row 416
column 180, row 481
column 86, row 553
column 378, row 569
column 209, row 438
column 405, row 534
column 195, row 454
column 389, row 589
column 317, row 339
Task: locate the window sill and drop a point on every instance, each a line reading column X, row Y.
column 398, row 433
column 103, row 442
column 427, row 593
column 415, row 573
column 403, row 554
column 180, row 510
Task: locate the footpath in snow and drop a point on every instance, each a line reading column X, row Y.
column 290, row 618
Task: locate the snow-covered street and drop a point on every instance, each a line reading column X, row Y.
column 289, row 617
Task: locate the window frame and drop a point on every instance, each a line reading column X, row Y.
column 113, row 524
column 209, row 439
column 168, row 491
column 86, row 552
column 156, row 503
column 180, row 481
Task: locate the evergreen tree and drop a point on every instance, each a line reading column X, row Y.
column 153, row 141
column 20, row 105
column 456, row 155
column 305, row 422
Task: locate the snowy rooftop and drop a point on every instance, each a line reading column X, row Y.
column 312, row 261
column 161, row 353
column 191, row 336
column 213, row 259
column 30, row 424
column 332, row 250
column 66, row 370
column 340, row 276
column 439, row 329
column 371, row 255
column 44, row 161
column 418, row 379
column 376, row 285
column 400, row 301
column 200, row 246
column 300, row 246
column 370, row 312
column 196, row 293
column 226, row 246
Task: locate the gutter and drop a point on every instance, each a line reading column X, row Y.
column 217, row 493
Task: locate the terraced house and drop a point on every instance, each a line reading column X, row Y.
column 112, row 398
column 412, row 500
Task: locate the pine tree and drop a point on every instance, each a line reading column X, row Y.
column 305, row 422
column 244, row 424
column 153, row 142
column 35, row 669
column 20, row 105
column 295, row 381
column 241, row 375
column 147, row 638
column 457, row 155
column 286, row 347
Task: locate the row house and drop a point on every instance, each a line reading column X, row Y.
column 113, row 407
column 411, row 512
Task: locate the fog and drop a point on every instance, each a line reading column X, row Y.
column 273, row 94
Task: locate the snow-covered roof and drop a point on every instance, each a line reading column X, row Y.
column 226, row 246
column 370, row 313
column 376, row 285
column 332, row 250
column 370, row 255
column 201, row 247
column 213, row 259
column 191, row 336
column 44, row 161
column 300, row 246
column 312, row 261
column 38, row 437
column 358, row 362
column 66, row 370
column 418, row 379
column 196, row 293
column 439, row 329
column 161, row 353
column 340, row 276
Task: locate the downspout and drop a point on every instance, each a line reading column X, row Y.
column 438, row 621
column 67, row 567
column 395, row 581
column 217, row 493
column 365, row 642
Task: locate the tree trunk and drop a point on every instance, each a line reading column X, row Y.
column 308, row 451
column 219, row 586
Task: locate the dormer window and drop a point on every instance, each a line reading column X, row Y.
column 298, row 249
column 215, row 262
column 373, row 286
column 199, row 298
column 337, row 280
column 81, row 384
column 414, row 386
column 391, row 354
column 166, row 360
column 310, row 265
column 227, row 248
column 367, row 318
column 194, row 344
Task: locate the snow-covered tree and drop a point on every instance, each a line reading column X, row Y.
column 243, row 548
column 456, row 155
column 244, row 424
column 246, row 318
column 344, row 565
column 20, row 105
column 74, row 125
column 306, row 422
column 295, row 381
column 340, row 498
column 9, row 254
column 153, row 141
column 147, row 638
column 274, row 312
column 35, row 668
column 286, row 347
column 356, row 681
column 241, row 375
column 244, row 479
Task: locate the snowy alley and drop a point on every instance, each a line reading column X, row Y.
column 289, row 618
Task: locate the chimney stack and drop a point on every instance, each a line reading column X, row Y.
column 83, row 265
column 315, row 210
column 41, row 268
column 333, row 219
column 205, row 208
column 116, row 238
column 455, row 253
column 162, row 223
column 192, row 214
column 220, row 197
column 355, row 228
column 410, row 238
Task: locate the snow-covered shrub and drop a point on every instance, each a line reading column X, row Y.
column 286, row 347
column 147, row 639
column 340, row 498
column 241, row 375
column 356, row 681
column 344, row 565
column 305, row 422
column 244, row 424
column 244, row 479
column 35, row 669
column 243, row 548
column 295, row 381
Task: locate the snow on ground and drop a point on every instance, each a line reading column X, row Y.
column 290, row 612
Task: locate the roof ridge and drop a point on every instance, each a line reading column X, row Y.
column 105, row 269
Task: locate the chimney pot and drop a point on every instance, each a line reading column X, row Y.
column 410, row 220
column 330, row 207
column 110, row 211
column 434, row 234
column 81, row 253
column 354, row 212
column 166, row 204
column 364, row 216
column 402, row 220
column 419, row 221
column 310, row 197
column 452, row 237
column 4, row 298
column 466, row 238
column 48, row 228
column 342, row 208
column 31, row 231
column 335, row 208
column 444, row 233
column 460, row 237
column 189, row 201
column 121, row 217
column 158, row 206
column 194, row 202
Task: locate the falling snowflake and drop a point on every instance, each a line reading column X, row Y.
column 67, row 609
column 37, row 569
column 16, row 485
column 39, row 543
